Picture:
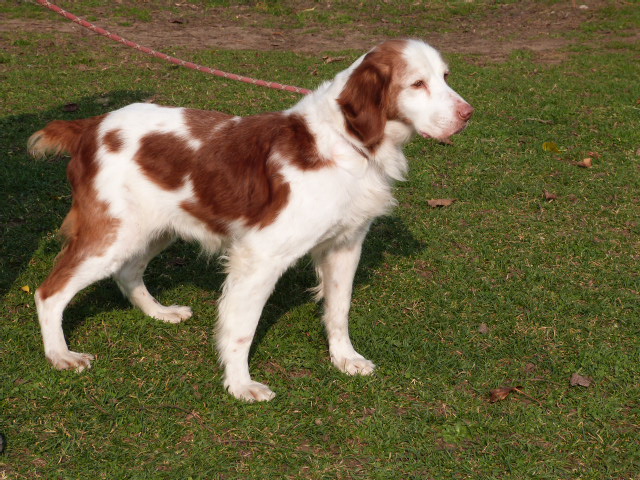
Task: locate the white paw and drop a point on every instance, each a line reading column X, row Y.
column 251, row 392
column 70, row 360
column 354, row 365
column 172, row 313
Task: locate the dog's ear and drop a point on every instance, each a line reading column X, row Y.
column 364, row 101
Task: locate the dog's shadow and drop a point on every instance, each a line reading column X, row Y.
column 183, row 264
column 388, row 236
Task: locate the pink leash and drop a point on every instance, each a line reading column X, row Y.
column 169, row 58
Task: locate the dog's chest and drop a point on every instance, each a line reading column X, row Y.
column 325, row 203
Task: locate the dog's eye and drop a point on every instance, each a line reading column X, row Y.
column 418, row 84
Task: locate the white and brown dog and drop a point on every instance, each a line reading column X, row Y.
column 264, row 190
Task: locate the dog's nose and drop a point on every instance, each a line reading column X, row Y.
column 465, row 111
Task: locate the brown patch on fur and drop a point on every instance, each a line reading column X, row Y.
column 368, row 99
column 202, row 124
column 88, row 228
column 299, row 146
column 113, row 140
column 236, row 171
column 165, row 158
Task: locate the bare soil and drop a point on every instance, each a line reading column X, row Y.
column 525, row 25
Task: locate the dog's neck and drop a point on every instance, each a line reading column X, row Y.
column 321, row 110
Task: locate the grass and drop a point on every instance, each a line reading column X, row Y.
column 554, row 285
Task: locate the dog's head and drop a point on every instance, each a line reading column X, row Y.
column 405, row 81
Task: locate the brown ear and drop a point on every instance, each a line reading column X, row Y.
column 363, row 101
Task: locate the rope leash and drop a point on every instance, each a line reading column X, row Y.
column 169, row 58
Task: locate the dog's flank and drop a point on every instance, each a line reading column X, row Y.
column 262, row 190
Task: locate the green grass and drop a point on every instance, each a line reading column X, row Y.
column 556, row 283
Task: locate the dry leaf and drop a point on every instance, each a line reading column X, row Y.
column 578, row 380
column 26, row 289
column 333, row 59
column 483, row 328
column 551, row 147
column 586, row 163
column 550, row 196
column 499, row 394
column 441, row 202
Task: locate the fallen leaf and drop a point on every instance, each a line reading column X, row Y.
column 333, row 59
column 550, row 196
column 551, row 147
column 483, row 328
column 586, row 163
column 441, row 202
column 578, row 380
column 499, row 394
column 70, row 107
column 26, row 289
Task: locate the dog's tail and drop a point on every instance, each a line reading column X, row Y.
column 59, row 136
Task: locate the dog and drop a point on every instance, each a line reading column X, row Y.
column 261, row 190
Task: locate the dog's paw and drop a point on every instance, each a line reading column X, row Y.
column 251, row 392
column 354, row 365
column 70, row 360
column 172, row 313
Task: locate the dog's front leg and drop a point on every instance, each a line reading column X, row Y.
column 337, row 266
column 248, row 285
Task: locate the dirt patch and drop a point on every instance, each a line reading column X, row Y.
column 526, row 25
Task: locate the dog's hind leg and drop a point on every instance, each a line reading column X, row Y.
column 80, row 264
column 129, row 279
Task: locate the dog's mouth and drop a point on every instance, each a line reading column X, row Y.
column 446, row 138
column 440, row 138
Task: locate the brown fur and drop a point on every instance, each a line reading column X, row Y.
column 365, row 114
column 234, row 174
column 113, row 140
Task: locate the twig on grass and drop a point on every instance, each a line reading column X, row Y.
column 539, row 120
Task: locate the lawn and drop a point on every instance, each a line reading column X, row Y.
column 529, row 282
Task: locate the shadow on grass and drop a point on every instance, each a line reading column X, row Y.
column 37, row 197
column 35, row 194
column 183, row 264
column 388, row 236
